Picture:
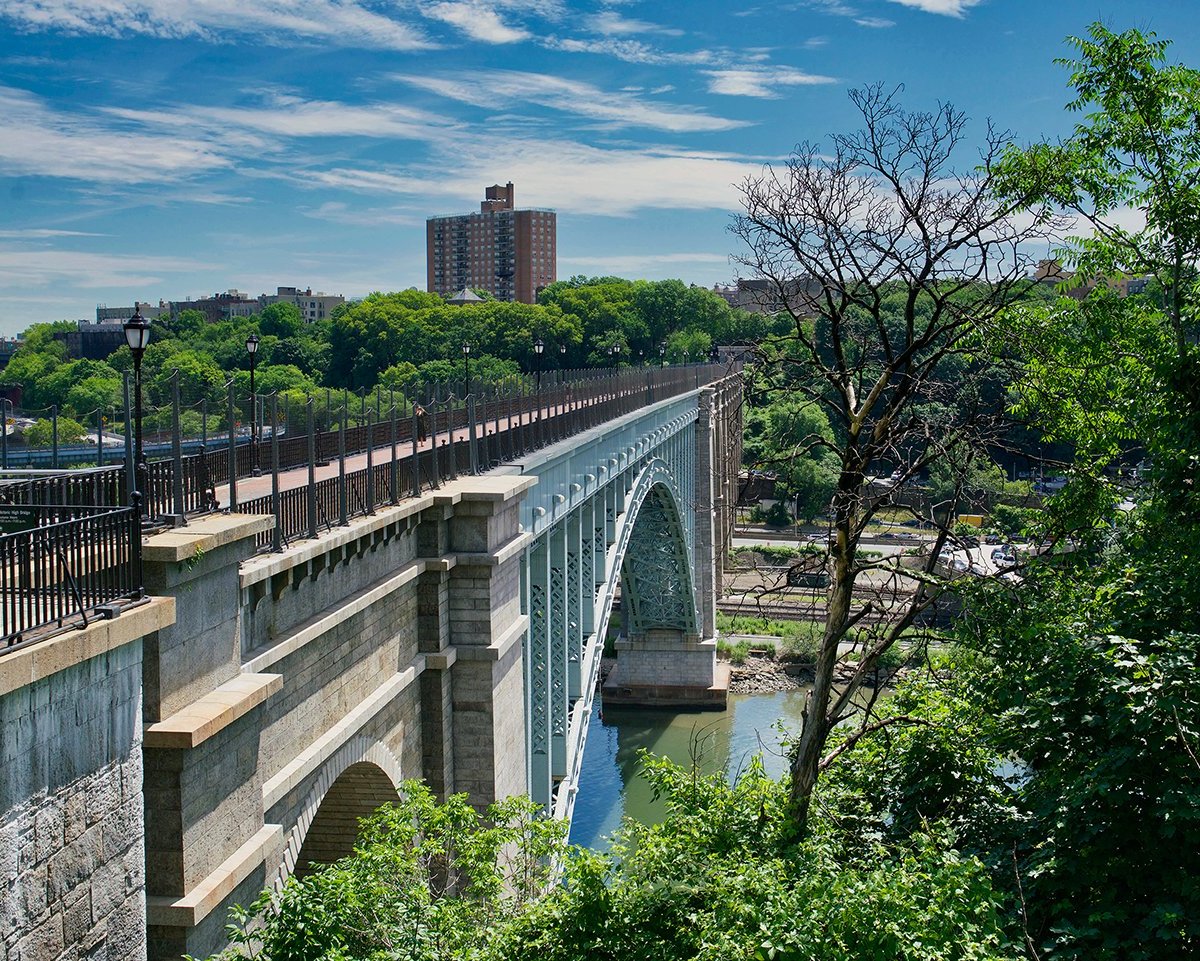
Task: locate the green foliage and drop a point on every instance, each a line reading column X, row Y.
column 762, row 552
column 426, row 880
column 717, row 879
column 41, row 433
column 94, row 392
column 281, row 320
column 774, row 516
column 736, row 652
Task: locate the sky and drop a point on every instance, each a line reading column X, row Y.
column 166, row 149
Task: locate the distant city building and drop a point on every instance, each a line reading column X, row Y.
column 106, row 314
column 313, row 307
column 760, row 296
column 95, row 340
column 8, row 347
column 224, row 306
column 510, row 253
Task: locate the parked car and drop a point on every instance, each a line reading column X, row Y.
column 1004, row 556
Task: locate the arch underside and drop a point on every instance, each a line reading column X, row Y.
column 358, row 791
column 656, row 580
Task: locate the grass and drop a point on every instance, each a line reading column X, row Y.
column 799, row 640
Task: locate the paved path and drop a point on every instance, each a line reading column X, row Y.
column 248, row 488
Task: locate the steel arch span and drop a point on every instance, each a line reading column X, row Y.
column 634, row 512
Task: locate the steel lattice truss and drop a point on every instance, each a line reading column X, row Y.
column 656, row 581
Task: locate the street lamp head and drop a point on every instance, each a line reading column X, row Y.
column 616, row 348
column 137, row 333
column 252, row 344
column 610, row 351
column 466, row 349
column 562, row 348
column 662, row 349
column 538, row 346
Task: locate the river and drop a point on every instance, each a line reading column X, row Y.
column 609, row 785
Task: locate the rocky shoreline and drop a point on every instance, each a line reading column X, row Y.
column 765, row 675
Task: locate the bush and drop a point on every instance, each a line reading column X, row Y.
column 736, row 652
column 774, row 516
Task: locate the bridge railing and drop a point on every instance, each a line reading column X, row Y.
column 319, row 466
column 61, row 564
column 420, row 446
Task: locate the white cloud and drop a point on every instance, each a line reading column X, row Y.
column 479, row 21
column 640, row 265
column 631, row 51
column 877, row 23
column 44, row 233
column 612, row 24
column 620, row 108
column 344, row 23
column 72, row 268
column 36, row 140
column 760, row 81
column 340, row 213
column 289, row 116
column 948, row 8
column 568, row 176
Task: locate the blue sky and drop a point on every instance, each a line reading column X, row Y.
column 167, row 148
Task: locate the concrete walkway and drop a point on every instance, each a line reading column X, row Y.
column 249, row 488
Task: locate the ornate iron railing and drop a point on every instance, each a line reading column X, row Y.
column 61, row 564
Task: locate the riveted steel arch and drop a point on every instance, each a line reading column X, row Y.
column 656, row 572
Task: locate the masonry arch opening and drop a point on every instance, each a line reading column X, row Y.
column 358, row 791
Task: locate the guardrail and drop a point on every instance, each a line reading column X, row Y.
column 466, row 436
column 63, row 566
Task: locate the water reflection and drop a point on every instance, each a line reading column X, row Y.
column 609, row 785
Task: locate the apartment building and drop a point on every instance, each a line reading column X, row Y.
column 510, row 253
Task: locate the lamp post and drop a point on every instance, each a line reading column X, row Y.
column 538, row 347
column 662, row 355
column 562, row 354
column 610, row 353
column 252, row 350
column 616, row 356
column 137, row 336
column 466, row 349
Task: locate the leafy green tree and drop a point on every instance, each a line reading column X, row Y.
column 688, row 345
column 427, row 880
column 187, row 323
column 199, row 378
column 864, row 243
column 41, row 433
column 964, row 480
column 30, row 368
column 282, row 320
column 95, row 392
column 56, row 384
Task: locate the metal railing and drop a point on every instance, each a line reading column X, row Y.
column 464, row 436
column 68, row 563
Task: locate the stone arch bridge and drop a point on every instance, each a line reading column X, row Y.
column 453, row 636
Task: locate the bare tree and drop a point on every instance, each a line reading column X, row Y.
column 895, row 269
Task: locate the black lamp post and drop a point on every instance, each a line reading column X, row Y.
column 616, row 355
column 662, row 355
column 252, row 350
column 562, row 354
column 611, row 353
column 466, row 349
column 538, row 346
column 137, row 336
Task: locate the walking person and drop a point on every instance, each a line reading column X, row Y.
column 422, row 422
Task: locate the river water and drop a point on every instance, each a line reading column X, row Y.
column 609, row 785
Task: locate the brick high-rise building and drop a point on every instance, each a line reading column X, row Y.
column 510, row 253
